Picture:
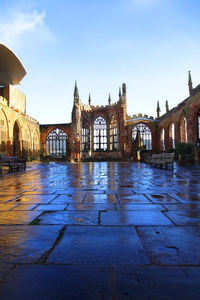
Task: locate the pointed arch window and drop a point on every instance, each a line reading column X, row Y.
column 183, row 130
column 198, row 125
column 142, row 135
column 85, row 133
column 163, row 139
column 57, row 143
column 113, row 134
column 100, row 134
column 173, row 136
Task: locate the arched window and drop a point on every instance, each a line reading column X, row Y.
column 163, row 140
column 183, row 130
column 85, row 134
column 3, row 133
column 113, row 134
column 198, row 125
column 172, row 136
column 57, row 143
column 141, row 134
column 100, row 134
column 16, row 139
column 36, row 145
column 26, row 144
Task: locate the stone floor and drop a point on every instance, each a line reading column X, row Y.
column 100, row 231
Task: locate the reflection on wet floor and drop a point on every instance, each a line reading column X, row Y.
column 91, row 216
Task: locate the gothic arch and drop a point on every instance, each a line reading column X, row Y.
column 162, row 139
column 57, row 143
column 100, row 134
column 4, row 133
column 85, row 132
column 171, row 131
column 35, row 143
column 183, row 129
column 113, row 134
column 142, row 136
column 26, row 141
column 17, row 138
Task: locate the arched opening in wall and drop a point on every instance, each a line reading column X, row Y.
column 113, row 134
column 85, row 131
column 16, row 139
column 36, row 145
column 183, row 130
column 3, row 134
column 142, row 137
column 26, row 143
column 57, row 143
column 100, row 134
column 198, row 125
column 162, row 139
column 172, row 136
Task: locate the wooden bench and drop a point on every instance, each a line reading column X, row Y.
column 161, row 160
column 12, row 162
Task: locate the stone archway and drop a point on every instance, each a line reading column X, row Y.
column 16, row 139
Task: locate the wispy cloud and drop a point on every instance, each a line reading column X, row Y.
column 20, row 23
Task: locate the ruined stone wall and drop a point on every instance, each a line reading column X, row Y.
column 27, row 142
column 185, row 112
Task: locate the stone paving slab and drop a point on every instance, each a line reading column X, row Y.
column 159, row 198
column 134, row 218
column 70, row 218
column 35, row 199
column 39, row 282
column 48, row 207
column 91, row 206
column 160, row 283
column 26, row 244
column 187, row 197
column 185, row 217
column 7, row 206
column 99, row 245
column 182, row 206
column 25, row 206
column 139, row 207
column 6, row 199
column 132, row 198
column 17, row 217
column 65, row 199
column 168, row 245
column 100, row 198
column 4, row 271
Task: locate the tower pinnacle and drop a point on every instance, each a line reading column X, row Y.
column 167, row 106
column 89, row 100
column 190, row 83
column 158, row 110
column 109, row 99
column 124, row 90
column 76, row 94
column 120, row 92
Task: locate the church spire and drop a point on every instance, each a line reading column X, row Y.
column 124, row 90
column 190, row 83
column 89, row 100
column 158, row 110
column 167, row 106
column 120, row 92
column 109, row 99
column 76, row 94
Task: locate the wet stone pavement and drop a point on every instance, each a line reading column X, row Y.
column 100, row 231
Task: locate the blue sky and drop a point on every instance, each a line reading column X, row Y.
column 148, row 44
